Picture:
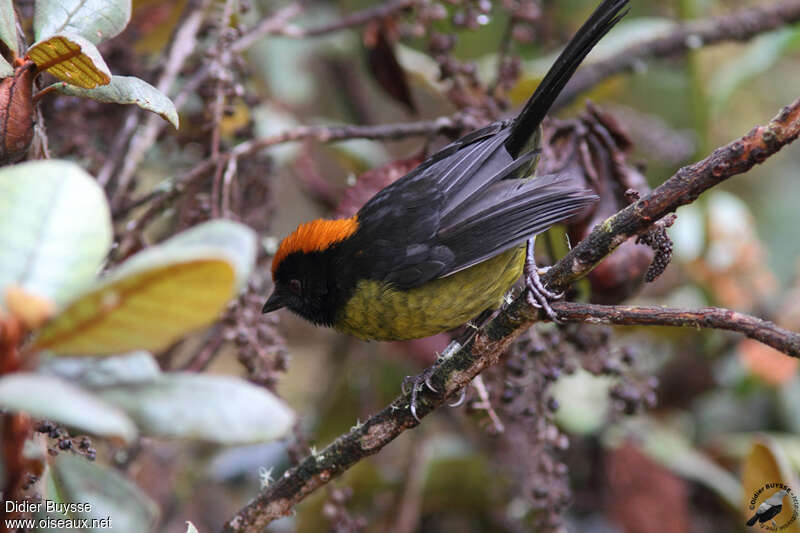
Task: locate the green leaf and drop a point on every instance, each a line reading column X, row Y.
column 759, row 56
column 94, row 20
column 110, row 494
column 127, row 90
column 222, row 409
column 71, row 59
column 8, row 26
column 55, row 228
column 93, row 373
column 51, row 398
column 158, row 295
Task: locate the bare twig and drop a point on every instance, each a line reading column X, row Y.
column 486, row 404
column 741, row 25
column 349, row 21
column 485, row 348
column 276, row 23
column 763, row 331
column 216, row 119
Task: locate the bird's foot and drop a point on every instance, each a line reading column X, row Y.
column 417, row 384
column 538, row 296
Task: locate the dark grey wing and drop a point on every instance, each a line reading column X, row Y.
column 507, row 214
column 401, row 222
column 459, row 208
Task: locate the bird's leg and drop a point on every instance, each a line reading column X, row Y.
column 422, row 380
column 538, row 295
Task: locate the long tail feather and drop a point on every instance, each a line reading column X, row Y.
column 527, row 122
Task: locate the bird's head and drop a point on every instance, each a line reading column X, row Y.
column 302, row 270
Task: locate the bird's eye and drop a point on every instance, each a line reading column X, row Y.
column 295, row 286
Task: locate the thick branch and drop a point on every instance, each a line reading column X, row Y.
column 488, row 344
column 763, row 331
column 741, row 25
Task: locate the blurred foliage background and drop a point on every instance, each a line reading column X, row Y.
column 586, row 428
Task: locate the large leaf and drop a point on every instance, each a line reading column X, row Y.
column 55, row 228
column 222, row 409
column 72, row 59
column 51, row 398
column 8, row 26
column 128, row 90
column 93, row 373
column 95, row 20
column 110, row 494
column 158, row 295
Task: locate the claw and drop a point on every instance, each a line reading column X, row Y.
column 414, row 408
column 404, row 384
column 428, row 382
column 460, row 398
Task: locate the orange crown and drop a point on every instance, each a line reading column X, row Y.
column 314, row 236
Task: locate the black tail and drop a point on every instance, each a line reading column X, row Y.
column 753, row 520
column 527, row 122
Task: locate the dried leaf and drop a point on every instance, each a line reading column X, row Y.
column 383, row 65
column 371, row 181
column 72, row 59
column 16, row 114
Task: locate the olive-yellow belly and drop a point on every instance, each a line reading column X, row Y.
column 377, row 311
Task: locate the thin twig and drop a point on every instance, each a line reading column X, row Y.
column 159, row 199
column 485, row 348
column 358, row 18
column 740, row 25
column 183, row 46
column 274, row 24
column 217, row 111
column 763, row 331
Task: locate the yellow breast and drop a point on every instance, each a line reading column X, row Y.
column 377, row 311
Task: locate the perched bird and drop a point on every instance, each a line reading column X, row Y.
column 769, row 509
column 445, row 242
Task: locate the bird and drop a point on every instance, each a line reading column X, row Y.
column 444, row 243
column 769, row 509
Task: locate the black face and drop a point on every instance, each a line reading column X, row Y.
column 303, row 286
